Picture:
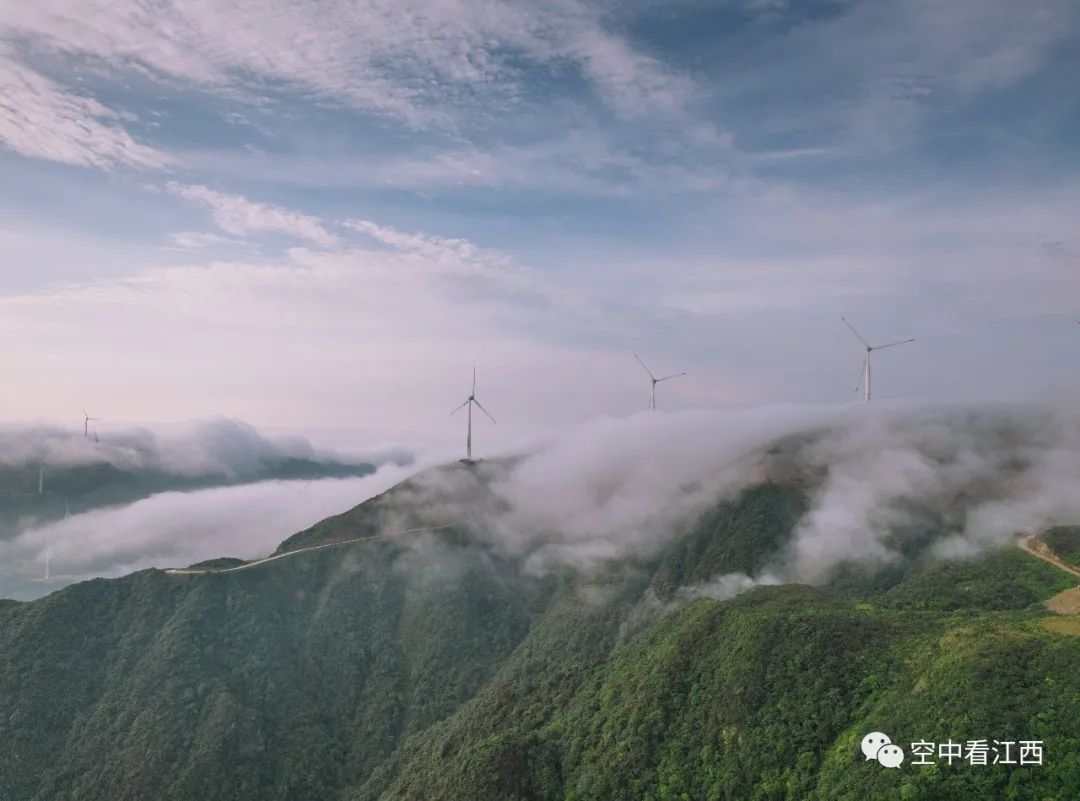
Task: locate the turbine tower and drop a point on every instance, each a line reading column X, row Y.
column 48, row 544
column 48, row 541
column 865, row 380
column 87, row 419
column 469, row 403
column 655, row 381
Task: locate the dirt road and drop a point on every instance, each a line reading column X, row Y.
column 188, row 571
column 1041, row 551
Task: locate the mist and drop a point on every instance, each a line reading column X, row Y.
column 219, row 446
column 885, row 485
column 175, row 529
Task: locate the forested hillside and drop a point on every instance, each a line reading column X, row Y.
column 438, row 665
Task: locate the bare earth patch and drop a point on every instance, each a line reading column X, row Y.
column 1065, row 603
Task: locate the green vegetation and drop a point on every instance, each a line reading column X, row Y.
column 1008, row 579
column 1064, row 541
column 434, row 666
column 220, row 563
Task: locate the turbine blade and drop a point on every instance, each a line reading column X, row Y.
column 862, row 374
column 665, row 378
column 856, row 333
column 459, row 408
column 485, row 411
column 647, row 370
column 474, row 379
column 891, row 344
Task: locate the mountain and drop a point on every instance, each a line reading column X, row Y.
column 166, row 491
column 413, row 649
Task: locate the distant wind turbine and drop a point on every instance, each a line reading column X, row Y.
column 48, row 577
column 865, row 380
column 469, row 403
column 87, row 419
column 655, row 381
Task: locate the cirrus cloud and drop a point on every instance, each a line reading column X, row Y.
column 237, row 215
column 42, row 120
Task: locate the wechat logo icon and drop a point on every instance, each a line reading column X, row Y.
column 878, row 746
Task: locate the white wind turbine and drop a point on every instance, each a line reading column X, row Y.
column 865, row 380
column 655, row 381
column 87, row 419
column 48, row 543
column 469, row 403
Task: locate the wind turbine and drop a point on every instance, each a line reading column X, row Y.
column 469, row 403
column 87, row 419
column 655, row 381
column 865, row 380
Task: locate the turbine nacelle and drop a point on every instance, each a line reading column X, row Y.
column 87, row 420
column 655, row 381
column 470, row 402
column 864, row 377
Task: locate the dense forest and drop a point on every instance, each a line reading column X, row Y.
column 435, row 665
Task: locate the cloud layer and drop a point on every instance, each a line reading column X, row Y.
column 177, row 529
column 41, row 119
column 330, row 210
column 223, row 447
column 413, row 65
column 237, row 215
column 887, row 486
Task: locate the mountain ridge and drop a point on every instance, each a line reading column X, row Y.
column 447, row 664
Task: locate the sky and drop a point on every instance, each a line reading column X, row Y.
column 318, row 216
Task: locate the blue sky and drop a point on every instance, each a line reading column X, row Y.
column 322, row 213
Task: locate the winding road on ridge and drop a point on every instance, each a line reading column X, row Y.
column 189, row 571
column 1025, row 544
column 1045, row 554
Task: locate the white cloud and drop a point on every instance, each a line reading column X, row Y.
column 875, row 78
column 42, row 120
column 584, row 160
column 383, row 337
column 175, row 529
column 192, row 240
column 458, row 254
column 237, row 215
column 635, row 85
column 397, row 59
